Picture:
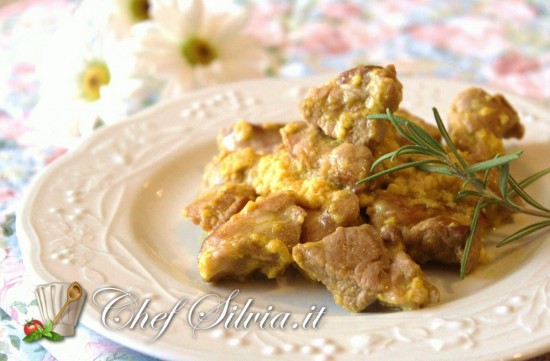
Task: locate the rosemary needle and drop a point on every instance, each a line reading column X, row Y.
column 448, row 161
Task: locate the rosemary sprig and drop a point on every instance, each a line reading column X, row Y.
column 436, row 158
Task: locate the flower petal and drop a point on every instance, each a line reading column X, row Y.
column 179, row 17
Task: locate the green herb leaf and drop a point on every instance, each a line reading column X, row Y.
column 526, row 197
column 467, row 193
column 415, row 149
column 381, row 159
column 503, row 180
column 33, row 336
column 48, row 326
column 474, row 182
column 492, row 163
column 447, row 138
column 525, row 231
column 405, row 150
column 424, row 138
column 412, row 132
column 54, row 336
column 436, row 169
column 399, row 167
column 470, row 239
column 533, row 178
column 396, row 122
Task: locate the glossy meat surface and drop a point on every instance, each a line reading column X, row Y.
column 479, row 121
column 342, row 211
column 341, row 106
column 213, row 208
column 320, row 155
column 358, row 269
column 432, row 225
column 262, row 138
column 259, row 239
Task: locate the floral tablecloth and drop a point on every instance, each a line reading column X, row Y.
column 503, row 44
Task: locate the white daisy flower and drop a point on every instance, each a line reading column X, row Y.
column 115, row 17
column 123, row 14
column 188, row 47
column 86, row 81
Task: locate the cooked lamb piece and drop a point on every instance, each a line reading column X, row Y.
column 428, row 233
column 409, row 288
column 442, row 238
column 478, row 122
column 341, row 106
column 259, row 239
column 307, row 144
column 213, row 208
column 343, row 210
column 322, row 156
column 392, row 209
column 357, row 268
column 262, row 138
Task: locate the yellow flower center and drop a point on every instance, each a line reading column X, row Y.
column 139, row 10
column 197, row 51
column 93, row 78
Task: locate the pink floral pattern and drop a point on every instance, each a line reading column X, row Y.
column 505, row 46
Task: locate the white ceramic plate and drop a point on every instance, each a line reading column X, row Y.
column 108, row 214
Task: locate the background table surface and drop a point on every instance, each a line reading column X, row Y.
column 503, row 44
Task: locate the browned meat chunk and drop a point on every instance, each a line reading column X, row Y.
column 257, row 239
column 322, row 156
column 408, row 288
column 391, row 209
column 343, row 210
column 262, row 138
column 357, row 268
column 307, row 144
column 478, row 122
column 426, row 233
column 442, row 238
column 475, row 109
column 341, row 106
column 212, row 209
